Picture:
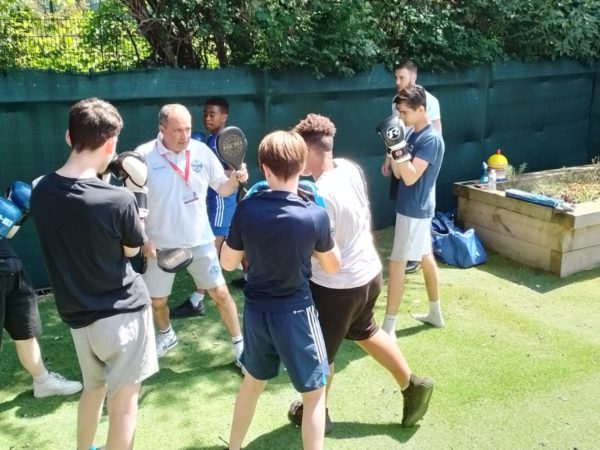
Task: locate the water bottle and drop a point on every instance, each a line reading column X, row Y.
column 492, row 180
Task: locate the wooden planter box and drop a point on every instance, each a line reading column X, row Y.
column 558, row 241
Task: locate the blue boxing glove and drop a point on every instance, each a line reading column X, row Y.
column 307, row 190
column 19, row 194
column 10, row 215
column 257, row 187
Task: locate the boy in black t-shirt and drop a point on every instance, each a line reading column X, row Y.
column 278, row 232
column 87, row 229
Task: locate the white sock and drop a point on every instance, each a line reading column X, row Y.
column 196, row 298
column 167, row 331
column 238, row 345
column 433, row 317
column 389, row 324
column 42, row 378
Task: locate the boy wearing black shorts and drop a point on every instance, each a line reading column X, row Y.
column 278, row 232
column 345, row 300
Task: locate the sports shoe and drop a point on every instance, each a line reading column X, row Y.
column 296, row 411
column 416, row 399
column 55, row 384
column 412, row 266
column 239, row 283
column 187, row 309
column 165, row 342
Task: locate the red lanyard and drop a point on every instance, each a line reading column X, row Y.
column 185, row 175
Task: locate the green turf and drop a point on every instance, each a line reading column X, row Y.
column 516, row 367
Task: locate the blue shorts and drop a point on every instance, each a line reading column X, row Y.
column 293, row 338
column 220, row 212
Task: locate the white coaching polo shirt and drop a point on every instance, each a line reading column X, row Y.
column 177, row 214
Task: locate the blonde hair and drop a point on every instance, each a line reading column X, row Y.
column 284, row 153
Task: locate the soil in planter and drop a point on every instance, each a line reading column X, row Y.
column 574, row 189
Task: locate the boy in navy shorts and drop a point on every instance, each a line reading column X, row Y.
column 278, row 232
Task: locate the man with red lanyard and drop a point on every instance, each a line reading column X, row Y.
column 180, row 170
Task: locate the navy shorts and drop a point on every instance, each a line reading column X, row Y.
column 220, row 212
column 346, row 313
column 19, row 314
column 293, row 339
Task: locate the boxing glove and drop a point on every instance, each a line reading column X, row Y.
column 10, row 215
column 19, row 193
column 307, row 190
column 257, row 187
column 129, row 166
column 393, row 133
column 141, row 196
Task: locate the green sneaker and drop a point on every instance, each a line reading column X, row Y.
column 416, row 399
column 295, row 415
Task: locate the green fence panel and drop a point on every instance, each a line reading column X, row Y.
column 545, row 114
column 593, row 143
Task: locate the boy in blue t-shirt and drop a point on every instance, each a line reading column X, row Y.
column 278, row 232
column 415, row 206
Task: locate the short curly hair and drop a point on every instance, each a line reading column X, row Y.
column 317, row 131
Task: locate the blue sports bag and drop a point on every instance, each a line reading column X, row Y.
column 453, row 246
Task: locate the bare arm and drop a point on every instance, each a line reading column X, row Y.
column 231, row 185
column 331, row 260
column 230, row 258
column 410, row 171
column 385, row 166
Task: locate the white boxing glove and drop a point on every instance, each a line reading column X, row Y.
column 129, row 166
column 141, row 196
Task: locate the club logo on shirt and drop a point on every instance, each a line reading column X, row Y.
column 214, row 271
column 196, row 165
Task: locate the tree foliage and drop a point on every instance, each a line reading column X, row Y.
column 325, row 36
column 70, row 37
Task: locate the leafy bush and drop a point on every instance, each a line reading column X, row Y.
column 325, row 36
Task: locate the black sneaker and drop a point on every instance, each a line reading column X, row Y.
column 239, row 283
column 296, row 411
column 416, row 399
column 412, row 266
column 186, row 309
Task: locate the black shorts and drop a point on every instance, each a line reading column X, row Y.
column 19, row 314
column 346, row 313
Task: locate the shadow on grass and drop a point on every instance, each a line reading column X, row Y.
column 286, row 435
column 26, row 405
column 289, row 436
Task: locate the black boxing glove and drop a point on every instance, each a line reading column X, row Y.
column 393, row 133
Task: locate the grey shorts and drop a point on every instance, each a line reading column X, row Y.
column 412, row 238
column 205, row 270
column 116, row 351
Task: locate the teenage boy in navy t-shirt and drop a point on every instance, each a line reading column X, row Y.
column 278, row 232
column 415, row 207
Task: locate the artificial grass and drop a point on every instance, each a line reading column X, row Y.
column 517, row 366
